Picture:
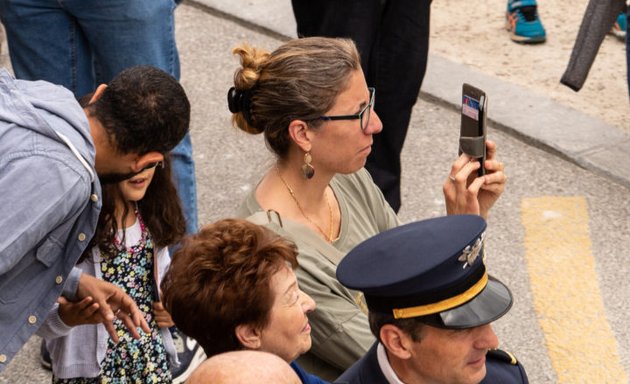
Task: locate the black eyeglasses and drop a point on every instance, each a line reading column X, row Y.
column 364, row 119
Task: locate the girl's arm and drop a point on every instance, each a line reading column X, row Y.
column 162, row 317
column 82, row 312
column 65, row 315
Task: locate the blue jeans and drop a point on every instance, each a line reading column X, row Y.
column 82, row 43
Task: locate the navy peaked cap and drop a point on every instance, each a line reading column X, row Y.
column 432, row 269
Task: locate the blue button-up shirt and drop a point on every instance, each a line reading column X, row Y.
column 49, row 203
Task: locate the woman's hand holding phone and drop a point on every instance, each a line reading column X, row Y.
column 477, row 178
column 467, row 193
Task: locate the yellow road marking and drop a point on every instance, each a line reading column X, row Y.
column 565, row 287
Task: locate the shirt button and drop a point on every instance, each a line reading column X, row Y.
column 58, row 279
column 3, row 358
column 32, row 319
column 81, row 236
column 94, row 197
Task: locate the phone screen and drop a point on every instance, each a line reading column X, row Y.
column 473, row 124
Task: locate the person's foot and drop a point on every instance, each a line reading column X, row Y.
column 619, row 28
column 189, row 353
column 44, row 356
column 523, row 22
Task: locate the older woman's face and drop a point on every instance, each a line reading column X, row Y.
column 342, row 146
column 288, row 333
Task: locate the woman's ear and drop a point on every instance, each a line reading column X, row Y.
column 301, row 134
column 396, row 341
column 248, row 336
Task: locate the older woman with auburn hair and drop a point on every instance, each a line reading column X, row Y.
column 232, row 287
column 310, row 100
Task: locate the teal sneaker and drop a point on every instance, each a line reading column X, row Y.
column 620, row 26
column 523, row 22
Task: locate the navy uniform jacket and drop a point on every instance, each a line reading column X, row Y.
column 498, row 367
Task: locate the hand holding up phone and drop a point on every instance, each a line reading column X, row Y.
column 476, row 179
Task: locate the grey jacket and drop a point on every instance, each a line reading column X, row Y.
column 49, row 203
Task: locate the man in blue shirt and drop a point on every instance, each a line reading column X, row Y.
column 52, row 154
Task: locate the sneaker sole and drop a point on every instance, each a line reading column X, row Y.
column 45, row 364
column 44, row 356
column 197, row 359
column 619, row 34
column 527, row 40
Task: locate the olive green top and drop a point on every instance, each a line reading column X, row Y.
column 340, row 330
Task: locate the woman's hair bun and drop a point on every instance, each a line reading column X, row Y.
column 240, row 96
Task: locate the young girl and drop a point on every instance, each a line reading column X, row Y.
column 140, row 217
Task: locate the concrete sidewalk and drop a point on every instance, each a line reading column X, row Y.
column 533, row 118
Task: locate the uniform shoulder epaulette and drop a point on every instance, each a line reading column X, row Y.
column 504, row 356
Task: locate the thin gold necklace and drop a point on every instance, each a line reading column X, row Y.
column 329, row 236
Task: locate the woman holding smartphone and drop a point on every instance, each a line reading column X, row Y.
column 310, row 100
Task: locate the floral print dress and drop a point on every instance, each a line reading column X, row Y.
column 132, row 361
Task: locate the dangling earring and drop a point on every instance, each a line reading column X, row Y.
column 307, row 169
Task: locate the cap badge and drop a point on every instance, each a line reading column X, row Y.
column 471, row 252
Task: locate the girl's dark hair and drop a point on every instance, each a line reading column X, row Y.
column 160, row 209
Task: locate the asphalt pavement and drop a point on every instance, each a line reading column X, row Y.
column 549, row 151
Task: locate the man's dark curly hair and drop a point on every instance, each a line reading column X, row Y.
column 143, row 109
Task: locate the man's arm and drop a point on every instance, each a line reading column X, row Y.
column 113, row 303
column 39, row 194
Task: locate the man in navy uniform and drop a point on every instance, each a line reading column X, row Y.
column 431, row 304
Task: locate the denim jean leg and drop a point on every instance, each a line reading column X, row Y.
column 139, row 32
column 45, row 43
column 184, row 178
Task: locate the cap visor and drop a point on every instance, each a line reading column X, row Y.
column 489, row 305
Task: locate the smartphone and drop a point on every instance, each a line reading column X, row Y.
column 472, row 135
